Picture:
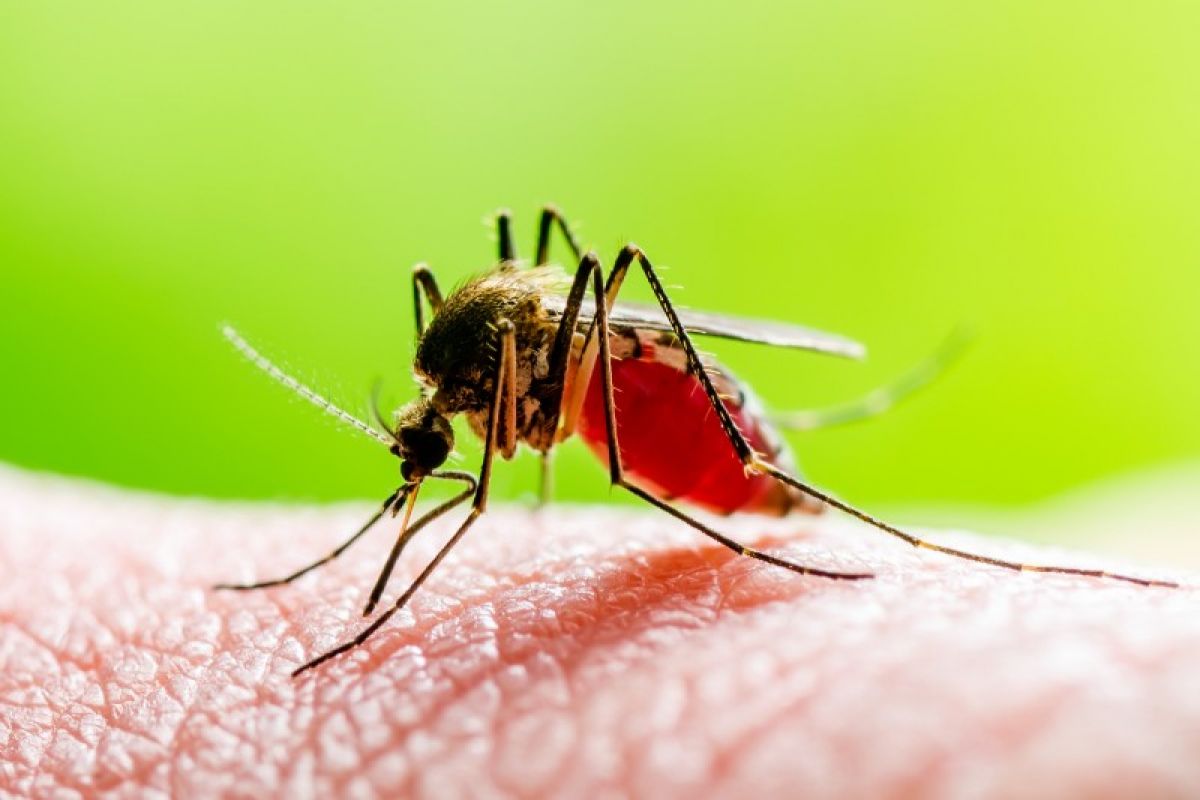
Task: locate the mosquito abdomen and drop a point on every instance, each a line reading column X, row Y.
column 673, row 444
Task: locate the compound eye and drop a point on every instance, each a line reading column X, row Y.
column 428, row 449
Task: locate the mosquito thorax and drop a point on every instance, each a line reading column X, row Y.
column 457, row 353
column 424, row 438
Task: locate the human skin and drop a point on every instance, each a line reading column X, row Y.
column 575, row 652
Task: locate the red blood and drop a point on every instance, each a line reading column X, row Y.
column 672, row 443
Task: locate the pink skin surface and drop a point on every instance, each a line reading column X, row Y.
column 573, row 653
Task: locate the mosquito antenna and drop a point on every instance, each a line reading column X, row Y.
column 267, row 366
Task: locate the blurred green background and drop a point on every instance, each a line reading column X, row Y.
column 885, row 170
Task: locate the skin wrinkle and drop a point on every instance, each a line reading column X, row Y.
column 883, row 678
column 657, row 649
column 38, row 700
column 672, row 578
column 670, row 572
column 170, row 740
column 921, row 776
column 175, row 739
column 725, row 756
column 665, row 569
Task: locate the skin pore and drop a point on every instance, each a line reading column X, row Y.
column 575, row 652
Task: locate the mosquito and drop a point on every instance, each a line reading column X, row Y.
column 527, row 356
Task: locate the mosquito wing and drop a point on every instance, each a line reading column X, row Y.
column 725, row 326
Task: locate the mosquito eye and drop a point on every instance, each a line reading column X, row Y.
column 424, row 447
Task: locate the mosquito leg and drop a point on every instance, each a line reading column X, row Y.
column 1017, row 566
column 412, row 530
column 507, row 434
column 478, row 506
column 550, row 216
column 757, row 463
column 617, row 471
column 424, row 282
column 504, row 237
column 560, row 371
column 546, row 481
column 735, row 546
column 882, row 399
column 560, row 351
column 368, row 631
column 343, row 547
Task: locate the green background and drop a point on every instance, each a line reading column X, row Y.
column 885, row 170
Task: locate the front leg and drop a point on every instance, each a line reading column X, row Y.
column 505, row 331
column 397, row 496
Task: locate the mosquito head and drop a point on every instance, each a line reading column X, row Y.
column 424, row 438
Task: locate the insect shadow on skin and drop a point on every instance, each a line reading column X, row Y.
column 518, row 359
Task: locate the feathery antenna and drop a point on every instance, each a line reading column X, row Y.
column 267, row 366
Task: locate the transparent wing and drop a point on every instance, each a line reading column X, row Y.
column 725, row 326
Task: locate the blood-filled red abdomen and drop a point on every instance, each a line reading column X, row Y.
column 672, row 443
